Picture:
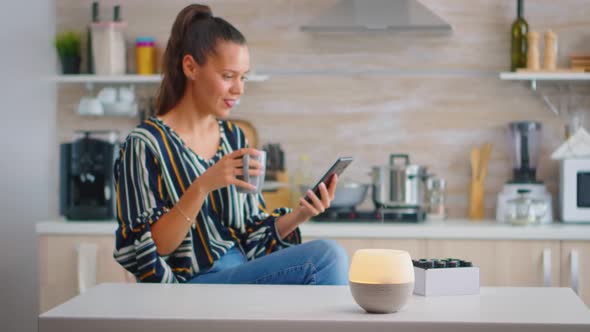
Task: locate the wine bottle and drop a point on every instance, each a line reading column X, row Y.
column 519, row 30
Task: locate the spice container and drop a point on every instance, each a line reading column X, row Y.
column 550, row 53
column 108, row 48
column 145, row 55
column 436, row 199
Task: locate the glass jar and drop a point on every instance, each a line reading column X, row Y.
column 436, row 194
column 525, row 210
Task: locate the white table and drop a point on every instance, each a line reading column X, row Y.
column 157, row 308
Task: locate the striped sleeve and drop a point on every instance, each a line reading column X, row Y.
column 140, row 204
column 262, row 235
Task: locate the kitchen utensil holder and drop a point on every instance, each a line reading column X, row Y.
column 476, row 200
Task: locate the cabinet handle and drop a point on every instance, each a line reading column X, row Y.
column 86, row 266
column 574, row 270
column 547, row 267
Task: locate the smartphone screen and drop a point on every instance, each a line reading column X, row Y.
column 337, row 168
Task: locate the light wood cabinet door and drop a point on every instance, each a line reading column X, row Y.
column 481, row 253
column 58, row 266
column 575, row 268
column 505, row 263
column 527, row 263
column 416, row 248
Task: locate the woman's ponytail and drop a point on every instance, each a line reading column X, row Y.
column 195, row 32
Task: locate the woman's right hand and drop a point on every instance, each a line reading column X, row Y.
column 225, row 171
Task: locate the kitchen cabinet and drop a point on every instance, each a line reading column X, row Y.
column 575, row 271
column 501, row 262
column 59, row 274
column 480, row 253
column 533, row 256
column 527, row 263
column 416, row 248
column 506, row 262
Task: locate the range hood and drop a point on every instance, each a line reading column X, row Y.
column 377, row 15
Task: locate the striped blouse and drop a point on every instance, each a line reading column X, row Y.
column 153, row 170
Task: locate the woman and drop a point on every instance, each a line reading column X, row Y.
column 180, row 216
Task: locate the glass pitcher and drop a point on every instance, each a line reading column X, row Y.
column 525, row 210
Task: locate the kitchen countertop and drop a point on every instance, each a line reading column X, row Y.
column 450, row 229
column 174, row 307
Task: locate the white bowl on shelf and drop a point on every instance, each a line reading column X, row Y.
column 120, row 108
column 90, row 106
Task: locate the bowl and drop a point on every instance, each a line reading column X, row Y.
column 347, row 195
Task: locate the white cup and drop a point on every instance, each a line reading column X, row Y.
column 90, row 106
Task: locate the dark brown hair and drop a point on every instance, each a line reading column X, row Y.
column 195, row 32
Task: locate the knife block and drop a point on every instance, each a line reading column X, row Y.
column 280, row 197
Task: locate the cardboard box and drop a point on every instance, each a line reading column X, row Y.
column 446, row 281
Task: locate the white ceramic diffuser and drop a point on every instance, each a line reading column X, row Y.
column 381, row 280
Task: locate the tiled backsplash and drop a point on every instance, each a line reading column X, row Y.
column 431, row 95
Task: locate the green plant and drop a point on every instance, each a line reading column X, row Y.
column 67, row 43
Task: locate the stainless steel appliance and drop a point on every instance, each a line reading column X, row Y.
column 574, row 190
column 348, row 196
column 370, row 216
column 399, row 186
column 87, row 190
column 525, row 138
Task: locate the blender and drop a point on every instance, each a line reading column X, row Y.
column 525, row 138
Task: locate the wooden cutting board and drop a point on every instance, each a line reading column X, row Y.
column 249, row 130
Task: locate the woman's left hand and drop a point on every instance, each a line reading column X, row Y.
column 318, row 204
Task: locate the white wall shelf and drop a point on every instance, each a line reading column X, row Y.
column 133, row 80
column 563, row 81
column 129, row 79
column 534, row 77
column 90, row 80
column 123, row 79
column 545, row 76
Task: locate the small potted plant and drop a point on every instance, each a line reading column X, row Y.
column 68, row 48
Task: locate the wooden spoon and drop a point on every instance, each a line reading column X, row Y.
column 486, row 152
column 475, row 159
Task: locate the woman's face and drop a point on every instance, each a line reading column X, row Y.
column 219, row 83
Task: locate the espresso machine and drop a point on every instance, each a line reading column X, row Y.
column 525, row 139
column 87, row 188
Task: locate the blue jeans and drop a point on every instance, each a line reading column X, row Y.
column 318, row 262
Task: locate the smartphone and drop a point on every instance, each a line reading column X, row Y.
column 337, row 168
